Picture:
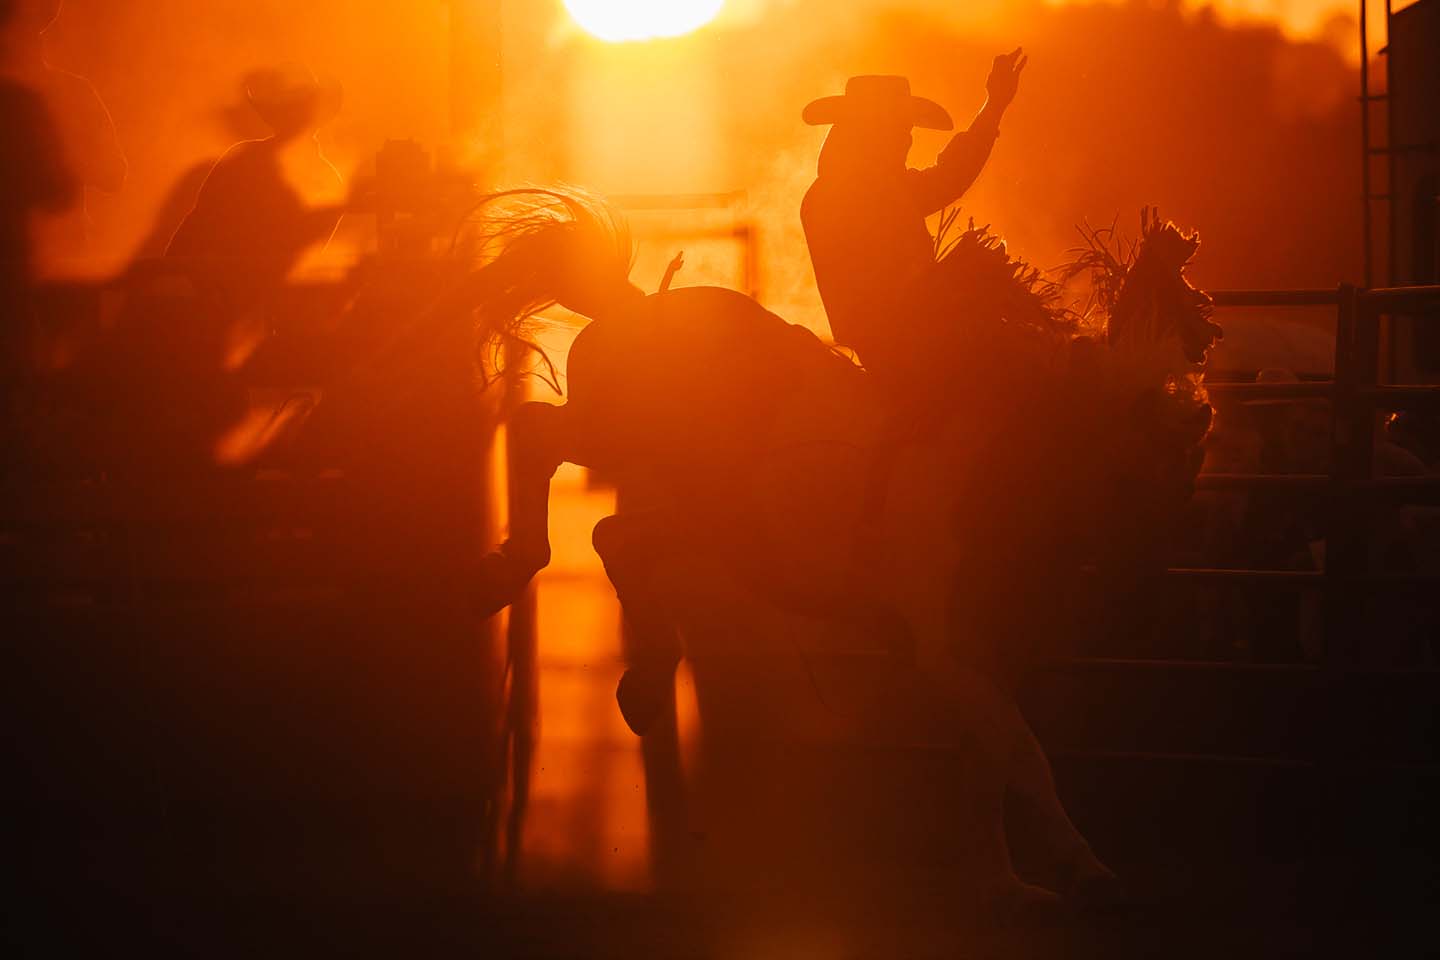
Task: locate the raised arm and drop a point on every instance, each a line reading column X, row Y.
column 964, row 157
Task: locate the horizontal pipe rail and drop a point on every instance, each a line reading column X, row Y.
column 1400, row 395
column 1290, row 482
column 1305, row 579
column 1379, row 298
column 1384, row 395
column 1230, row 389
column 1126, row 665
column 1208, row 759
column 1093, row 665
column 1299, row 578
column 1400, row 298
column 1353, row 764
column 1328, row 297
column 1384, row 487
column 1400, row 488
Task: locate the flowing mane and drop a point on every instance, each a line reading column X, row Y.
column 535, row 247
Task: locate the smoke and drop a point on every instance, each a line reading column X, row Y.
column 170, row 71
column 1234, row 127
column 788, row 282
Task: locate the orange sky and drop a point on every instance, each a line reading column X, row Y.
column 1307, row 18
column 185, row 107
column 1333, row 20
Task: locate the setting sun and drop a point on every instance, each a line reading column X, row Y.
column 621, row 20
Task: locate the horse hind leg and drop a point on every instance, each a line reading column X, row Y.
column 539, row 444
column 1080, row 876
column 961, row 709
column 1022, row 771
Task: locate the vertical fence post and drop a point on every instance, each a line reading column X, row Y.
column 1343, row 562
column 1365, row 144
column 522, row 650
column 1351, row 454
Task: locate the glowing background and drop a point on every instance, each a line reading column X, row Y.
column 620, row 20
column 1239, row 120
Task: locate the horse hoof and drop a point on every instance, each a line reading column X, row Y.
column 641, row 696
column 502, row 578
column 1091, row 885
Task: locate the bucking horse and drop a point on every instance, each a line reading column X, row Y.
column 1037, row 443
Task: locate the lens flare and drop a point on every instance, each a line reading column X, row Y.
column 621, row 20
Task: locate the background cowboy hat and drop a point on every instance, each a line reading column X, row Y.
column 289, row 96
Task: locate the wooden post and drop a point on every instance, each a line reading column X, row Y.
column 1365, row 144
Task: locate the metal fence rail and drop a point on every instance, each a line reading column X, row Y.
column 1348, row 494
column 1356, row 397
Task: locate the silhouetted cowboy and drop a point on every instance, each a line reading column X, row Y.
column 265, row 202
column 864, row 216
column 33, row 180
column 89, row 147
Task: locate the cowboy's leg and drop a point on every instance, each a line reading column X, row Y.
column 539, row 444
column 633, row 548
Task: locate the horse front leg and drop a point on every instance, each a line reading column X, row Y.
column 633, row 548
column 540, row 442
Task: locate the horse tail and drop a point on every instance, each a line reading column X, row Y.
column 535, row 247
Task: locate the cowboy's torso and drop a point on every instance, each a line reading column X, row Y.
column 868, row 244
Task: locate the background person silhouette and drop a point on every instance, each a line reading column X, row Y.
column 864, row 217
column 35, row 177
column 264, row 203
column 235, row 120
column 90, row 148
column 35, row 180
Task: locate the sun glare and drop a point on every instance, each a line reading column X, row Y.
column 621, row 20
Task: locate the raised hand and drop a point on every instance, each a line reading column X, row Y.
column 1004, row 79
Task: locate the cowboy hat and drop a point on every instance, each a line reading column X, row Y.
column 290, row 93
column 876, row 97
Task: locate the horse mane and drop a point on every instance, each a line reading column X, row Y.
column 981, row 275
column 532, row 246
column 1125, row 273
column 1159, row 328
column 1111, row 390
